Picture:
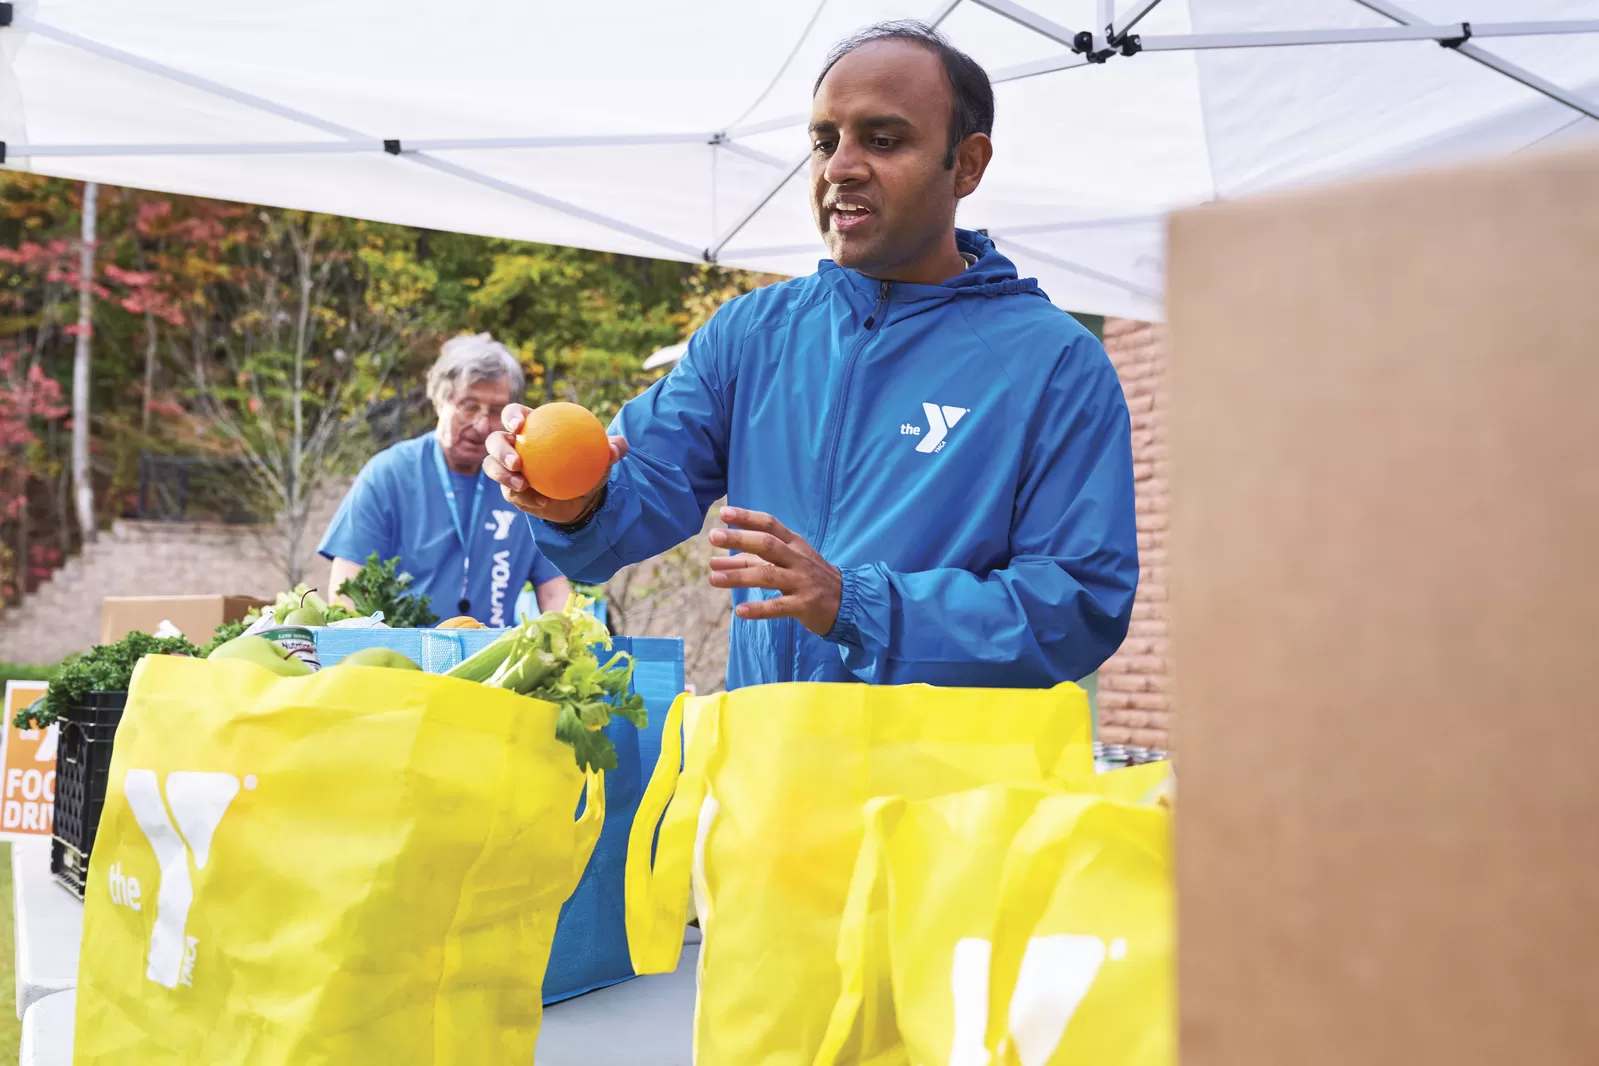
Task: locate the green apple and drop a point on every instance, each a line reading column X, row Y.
column 264, row 653
column 314, row 613
column 304, row 616
column 379, row 657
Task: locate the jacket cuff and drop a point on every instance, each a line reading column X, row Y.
column 846, row 627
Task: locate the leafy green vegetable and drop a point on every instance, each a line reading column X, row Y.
column 103, row 668
column 552, row 658
column 379, row 586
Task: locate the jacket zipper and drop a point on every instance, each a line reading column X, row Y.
column 835, row 429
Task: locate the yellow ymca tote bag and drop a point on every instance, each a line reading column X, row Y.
column 1011, row 924
column 767, row 811
column 360, row 866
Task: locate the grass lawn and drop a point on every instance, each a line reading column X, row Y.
column 10, row 1028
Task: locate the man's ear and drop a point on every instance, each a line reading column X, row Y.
column 971, row 162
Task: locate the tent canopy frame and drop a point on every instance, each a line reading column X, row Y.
column 1084, row 48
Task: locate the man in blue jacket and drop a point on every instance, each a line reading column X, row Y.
column 929, row 465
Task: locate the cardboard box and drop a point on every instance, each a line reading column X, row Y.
column 1385, row 605
column 197, row 616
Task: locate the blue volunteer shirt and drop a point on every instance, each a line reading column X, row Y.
column 401, row 505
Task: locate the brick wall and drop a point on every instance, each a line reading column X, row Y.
column 1134, row 692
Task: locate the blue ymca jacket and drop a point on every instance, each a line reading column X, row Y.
column 962, row 452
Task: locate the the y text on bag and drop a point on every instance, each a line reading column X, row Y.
column 198, row 800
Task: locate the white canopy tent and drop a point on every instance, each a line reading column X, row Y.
column 675, row 129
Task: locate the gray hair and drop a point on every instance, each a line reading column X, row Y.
column 467, row 360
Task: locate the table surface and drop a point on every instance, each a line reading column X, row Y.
column 647, row 1021
column 49, row 921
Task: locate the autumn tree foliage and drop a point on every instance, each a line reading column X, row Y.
column 278, row 349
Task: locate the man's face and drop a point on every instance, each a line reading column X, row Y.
column 467, row 418
column 882, row 197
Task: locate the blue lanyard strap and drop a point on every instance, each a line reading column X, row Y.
column 463, row 534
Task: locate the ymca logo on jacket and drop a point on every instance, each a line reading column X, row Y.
column 962, row 452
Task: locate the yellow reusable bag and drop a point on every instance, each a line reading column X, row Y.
column 360, row 866
column 1021, row 925
column 768, row 812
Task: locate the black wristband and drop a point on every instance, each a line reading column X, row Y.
column 568, row 528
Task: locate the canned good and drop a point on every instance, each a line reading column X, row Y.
column 298, row 641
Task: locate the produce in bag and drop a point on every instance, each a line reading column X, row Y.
column 552, row 658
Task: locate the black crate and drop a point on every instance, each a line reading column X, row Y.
column 83, row 761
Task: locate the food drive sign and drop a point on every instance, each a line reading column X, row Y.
column 28, row 758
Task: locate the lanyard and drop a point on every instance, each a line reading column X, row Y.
column 462, row 534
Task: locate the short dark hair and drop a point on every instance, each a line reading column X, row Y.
column 968, row 81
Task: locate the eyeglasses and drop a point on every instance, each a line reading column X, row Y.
column 472, row 411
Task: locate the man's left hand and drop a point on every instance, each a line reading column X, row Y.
column 775, row 558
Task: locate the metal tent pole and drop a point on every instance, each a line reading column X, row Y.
column 1493, row 62
column 392, row 147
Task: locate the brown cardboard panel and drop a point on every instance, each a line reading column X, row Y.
column 1385, row 608
column 196, row 616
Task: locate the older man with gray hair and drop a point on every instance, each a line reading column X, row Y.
column 428, row 501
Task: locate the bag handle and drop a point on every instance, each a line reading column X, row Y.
column 854, row 934
column 586, row 830
column 657, row 893
column 1033, row 868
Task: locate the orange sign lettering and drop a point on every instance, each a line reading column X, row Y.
column 28, row 763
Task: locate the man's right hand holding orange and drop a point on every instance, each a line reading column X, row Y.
column 572, row 461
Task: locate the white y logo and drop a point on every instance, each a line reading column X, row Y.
column 503, row 520
column 1056, row 973
column 939, row 422
column 198, row 801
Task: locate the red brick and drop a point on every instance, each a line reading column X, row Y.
column 1148, row 738
column 1141, row 664
column 1121, row 327
column 1150, row 701
column 1140, row 404
column 1134, row 646
column 1111, row 700
column 1159, row 682
column 1143, row 471
column 1151, row 556
column 1132, row 719
column 1151, row 520
column 1113, row 679
column 1111, row 733
column 1150, row 624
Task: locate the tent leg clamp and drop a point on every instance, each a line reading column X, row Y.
column 7, row 11
column 1083, row 45
column 392, row 147
column 1456, row 42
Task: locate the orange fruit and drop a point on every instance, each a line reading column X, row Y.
column 565, row 452
column 461, row 621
